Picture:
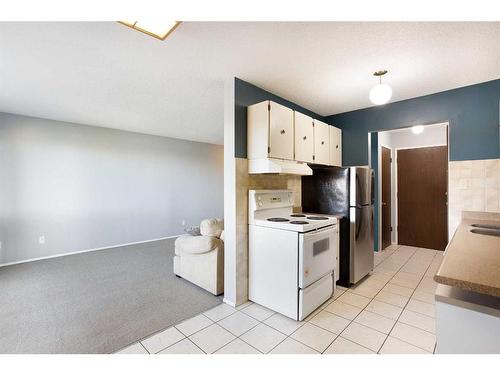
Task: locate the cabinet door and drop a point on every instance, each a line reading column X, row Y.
column 335, row 146
column 258, row 130
column 304, row 138
column 280, row 132
column 321, row 143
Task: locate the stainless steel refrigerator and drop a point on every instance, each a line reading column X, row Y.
column 348, row 192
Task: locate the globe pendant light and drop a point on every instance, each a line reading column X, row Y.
column 382, row 92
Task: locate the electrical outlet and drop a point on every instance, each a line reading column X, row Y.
column 41, row 240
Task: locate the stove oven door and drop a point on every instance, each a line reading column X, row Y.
column 316, row 255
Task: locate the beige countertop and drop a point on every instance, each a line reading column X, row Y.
column 472, row 261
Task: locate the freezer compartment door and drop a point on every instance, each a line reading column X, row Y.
column 315, row 295
column 361, row 242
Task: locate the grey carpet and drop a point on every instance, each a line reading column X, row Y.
column 96, row 302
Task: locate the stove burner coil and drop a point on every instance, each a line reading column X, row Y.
column 317, row 218
column 297, row 215
column 299, row 222
column 277, row 219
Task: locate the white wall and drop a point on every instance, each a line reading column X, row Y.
column 433, row 135
column 231, row 255
column 85, row 187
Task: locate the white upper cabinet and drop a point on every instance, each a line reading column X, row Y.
column 270, row 131
column 321, row 143
column 280, row 131
column 304, row 138
column 335, row 146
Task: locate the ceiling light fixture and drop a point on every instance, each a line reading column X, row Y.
column 417, row 129
column 154, row 28
column 382, row 92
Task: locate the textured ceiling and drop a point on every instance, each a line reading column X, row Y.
column 104, row 74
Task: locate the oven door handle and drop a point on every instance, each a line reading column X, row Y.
column 318, row 232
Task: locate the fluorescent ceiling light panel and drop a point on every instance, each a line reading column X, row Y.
column 156, row 28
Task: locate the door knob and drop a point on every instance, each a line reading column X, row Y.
column 384, row 204
column 282, row 131
column 322, row 142
column 304, row 137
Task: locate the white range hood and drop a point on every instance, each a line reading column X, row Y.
column 268, row 165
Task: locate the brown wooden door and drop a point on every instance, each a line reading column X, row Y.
column 422, row 197
column 386, row 197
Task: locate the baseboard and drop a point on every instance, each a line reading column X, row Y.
column 86, row 251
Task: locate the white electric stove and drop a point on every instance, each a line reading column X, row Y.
column 274, row 209
column 293, row 257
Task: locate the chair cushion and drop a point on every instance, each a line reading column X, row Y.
column 196, row 244
column 212, row 227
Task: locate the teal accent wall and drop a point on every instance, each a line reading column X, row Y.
column 472, row 113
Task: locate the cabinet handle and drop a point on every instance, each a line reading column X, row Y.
column 322, row 142
column 282, row 131
column 304, row 137
column 337, row 146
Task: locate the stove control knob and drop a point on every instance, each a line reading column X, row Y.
column 260, row 204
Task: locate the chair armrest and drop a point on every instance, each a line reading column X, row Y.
column 196, row 244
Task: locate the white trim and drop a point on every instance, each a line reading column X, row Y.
column 395, row 218
column 432, row 145
column 228, row 302
column 85, row 251
column 380, row 145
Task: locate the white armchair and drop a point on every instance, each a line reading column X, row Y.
column 200, row 259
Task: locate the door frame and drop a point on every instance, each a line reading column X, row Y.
column 447, row 184
column 380, row 195
column 379, row 183
column 394, row 168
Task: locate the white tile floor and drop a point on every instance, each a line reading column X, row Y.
column 390, row 311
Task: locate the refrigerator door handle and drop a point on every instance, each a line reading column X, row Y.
column 358, row 192
column 359, row 223
column 372, row 187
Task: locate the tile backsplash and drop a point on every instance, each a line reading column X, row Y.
column 474, row 185
column 245, row 182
